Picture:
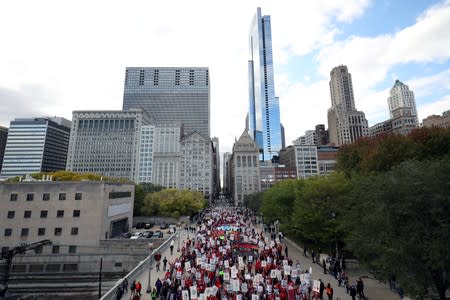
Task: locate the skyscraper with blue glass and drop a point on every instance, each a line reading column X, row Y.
column 264, row 109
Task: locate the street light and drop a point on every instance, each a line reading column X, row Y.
column 149, row 283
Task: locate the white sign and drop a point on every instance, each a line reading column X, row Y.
column 185, row 294
column 316, row 286
column 193, row 290
column 187, row 266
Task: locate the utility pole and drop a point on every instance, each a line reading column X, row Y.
column 100, row 279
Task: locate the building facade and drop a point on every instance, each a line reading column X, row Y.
column 345, row 123
column 144, row 172
column 264, row 109
column 196, row 164
column 226, row 177
column 381, row 128
column 437, row 121
column 271, row 173
column 3, row 138
column 170, row 95
column 400, row 96
column 216, row 166
column 312, row 160
column 36, row 145
column 167, row 155
column 321, row 135
column 244, row 168
column 106, row 142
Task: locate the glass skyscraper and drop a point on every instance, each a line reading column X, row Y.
column 264, row 109
column 170, row 95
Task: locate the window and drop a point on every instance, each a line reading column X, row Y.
column 62, row 196
column 27, row 214
column 30, row 197
column 13, row 197
column 58, row 231
column 78, row 196
column 44, row 213
column 76, row 213
column 70, row 267
column 72, row 249
column 41, row 231
column 38, row 250
column 46, row 197
column 60, row 214
column 55, row 249
column 24, row 232
column 11, row 214
column 8, row 231
column 115, row 195
column 74, row 231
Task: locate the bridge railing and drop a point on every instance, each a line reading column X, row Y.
column 143, row 266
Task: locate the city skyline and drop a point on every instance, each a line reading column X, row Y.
column 53, row 64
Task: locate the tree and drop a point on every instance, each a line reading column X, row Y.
column 398, row 223
column 173, row 203
column 140, row 192
column 253, row 201
column 317, row 209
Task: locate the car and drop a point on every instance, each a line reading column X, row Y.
column 158, row 234
column 148, row 225
column 171, row 230
column 136, row 235
column 147, row 234
column 125, row 235
column 163, row 226
column 140, row 225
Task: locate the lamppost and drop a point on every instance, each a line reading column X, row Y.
column 149, row 283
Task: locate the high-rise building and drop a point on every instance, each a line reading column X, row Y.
column 196, row 164
column 144, row 172
column 244, row 168
column 321, row 135
column 226, row 178
column 3, row 138
column 345, row 123
column 170, row 96
column 216, row 166
column 106, row 142
column 167, row 155
column 264, row 109
column 36, row 145
column 401, row 97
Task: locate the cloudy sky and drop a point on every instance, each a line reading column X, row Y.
column 60, row 56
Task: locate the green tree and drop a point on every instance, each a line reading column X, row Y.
column 173, row 203
column 317, row 210
column 253, row 201
column 398, row 223
column 278, row 201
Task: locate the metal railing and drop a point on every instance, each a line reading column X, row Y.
column 143, row 266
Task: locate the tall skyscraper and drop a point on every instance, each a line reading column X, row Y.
column 36, row 145
column 106, row 142
column 3, row 138
column 345, row 123
column 401, row 97
column 264, row 109
column 170, row 96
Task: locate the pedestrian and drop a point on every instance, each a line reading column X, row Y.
column 164, row 263
column 324, row 263
column 119, row 293
column 286, row 251
column 154, row 294
column 360, row 288
column 329, row 291
column 125, row 285
column 138, row 288
column 133, row 287
column 158, row 285
column 171, row 247
column 313, row 256
column 304, row 251
column 321, row 288
column 352, row 291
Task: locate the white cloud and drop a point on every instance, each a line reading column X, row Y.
column 434, row 108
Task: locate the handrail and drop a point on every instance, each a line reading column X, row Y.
column 136, row 271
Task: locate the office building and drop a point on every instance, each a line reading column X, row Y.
column 345, row 123
column 3, row 138
column 216, row 166
column 312, row 160
column 196, row 164
column 321, row 135
column 226, row 178
column 264, row 109
column 144, row 173
column 244, row 169
column 271, row 173
column 106, row 142
column 401, row 97
column 167, row 155
column 170, row 96
column 437, row 121
column 381, row 128
column 36, row 145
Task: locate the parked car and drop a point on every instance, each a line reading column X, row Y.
column 163, row 226
column 125, row 235
column 148, row 225
column 158, row 234
column 140, row 225
column 136, row 235
column 171, row 230
column 147, row 234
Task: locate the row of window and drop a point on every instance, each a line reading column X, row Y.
column 44, row 214
column 45, row 196
column 41, row 231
